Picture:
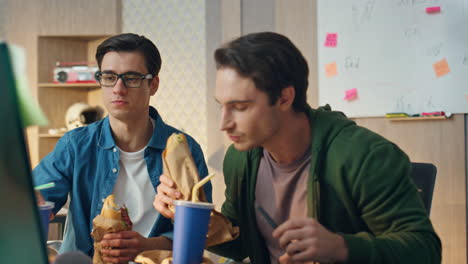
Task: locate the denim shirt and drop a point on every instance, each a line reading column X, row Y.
column 85, row 165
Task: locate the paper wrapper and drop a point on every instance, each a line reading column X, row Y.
column 178, row 164
column 160, row 257
column 101, row 226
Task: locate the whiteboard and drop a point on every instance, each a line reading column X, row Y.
column 386, row 50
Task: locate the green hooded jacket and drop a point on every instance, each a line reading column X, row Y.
column 359, row 186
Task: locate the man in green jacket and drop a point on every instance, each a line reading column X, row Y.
column 339, row 192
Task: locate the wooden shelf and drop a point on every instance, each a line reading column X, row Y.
column 50, row 135
column 417, row 118
column 88, row 86
column 56, row 98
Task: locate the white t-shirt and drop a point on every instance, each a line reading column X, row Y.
column 134, row 189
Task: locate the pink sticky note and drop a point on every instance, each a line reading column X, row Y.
column 441, row 68
column 466, row 97
column 350, row 94
column 330, row 69
column 433, row 9
column 331, row 40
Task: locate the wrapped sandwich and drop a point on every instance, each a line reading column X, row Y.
column 178, row 164
column 112, row 219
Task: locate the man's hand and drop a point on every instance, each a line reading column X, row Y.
column 41, row 201
column 306, row 240
column 166, row 192
column 126, row 245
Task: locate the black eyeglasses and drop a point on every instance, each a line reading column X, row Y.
column 131, row 80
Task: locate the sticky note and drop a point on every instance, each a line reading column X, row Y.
column 466, row 97
column 330, row 69
column 331, row 40
column 433, row 9
column 441, row 68
column 350, row 94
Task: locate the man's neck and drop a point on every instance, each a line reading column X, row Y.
column 292, row 140
column 131, row 136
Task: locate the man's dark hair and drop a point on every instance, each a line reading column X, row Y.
column 271, row 60
column 129, row 42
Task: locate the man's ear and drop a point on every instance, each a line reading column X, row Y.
column 154, row 85
column 286, row 98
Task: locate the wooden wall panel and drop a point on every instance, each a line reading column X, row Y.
column 297, row 20
column 230, row 19
column 95, row 99
column 441, row 142
column 27, row 20
column 70, row 17
column 51, row 50
column 20, row 31
column 54, row 101
column 92, row 46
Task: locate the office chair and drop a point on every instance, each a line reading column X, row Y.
column 423, row 176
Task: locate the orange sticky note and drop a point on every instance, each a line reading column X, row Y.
column 350, row 94
column 330, row 69
column 441, row 68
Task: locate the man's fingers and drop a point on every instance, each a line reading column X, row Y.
column 167, row 181
column 295, row 247
column 301, row 255
column 291, row 224
column 291, row 236
column 40, row 199
column 125, row 252
column 120, row 235
column 162, row 208
column 115, row 243
column 168, row 191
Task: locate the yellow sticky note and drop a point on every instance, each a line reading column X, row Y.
column 330, row 69
column 441, row 68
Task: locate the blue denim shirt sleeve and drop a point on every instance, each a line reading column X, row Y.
column 56, row 167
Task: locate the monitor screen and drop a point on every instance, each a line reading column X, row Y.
column 21, row 238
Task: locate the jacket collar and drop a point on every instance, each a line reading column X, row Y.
column 325, row 126
column 158, row 139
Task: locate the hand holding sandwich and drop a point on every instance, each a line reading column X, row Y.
column 123, row 246
column 166, row 193
column 114, row 241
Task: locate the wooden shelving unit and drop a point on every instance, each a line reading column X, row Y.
column 56, row 98
column 50, row 135
column 88, row 86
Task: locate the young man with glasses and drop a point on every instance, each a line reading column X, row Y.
column 120, row 154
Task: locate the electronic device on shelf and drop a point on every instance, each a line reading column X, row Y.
column 75, row 72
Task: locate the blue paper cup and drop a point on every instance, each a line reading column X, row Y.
column 44, row 213
column 190, row 229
